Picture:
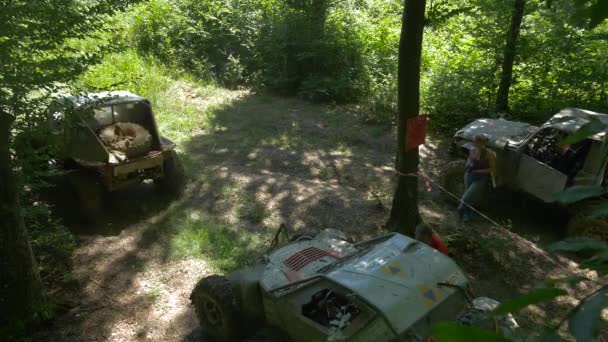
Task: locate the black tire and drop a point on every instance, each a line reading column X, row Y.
column 127, row 137
column 173, row 181
column 217, row 308
column 582, row 224
column 452, row 180
column 89, row 193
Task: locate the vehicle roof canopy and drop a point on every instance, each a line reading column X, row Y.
column 105, row 98
column 571, row 119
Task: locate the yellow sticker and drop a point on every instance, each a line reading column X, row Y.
column 429, row 295
column 394, row 269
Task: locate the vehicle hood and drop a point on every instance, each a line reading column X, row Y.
column 498, row 130
column 400, row 278
column 397, row 275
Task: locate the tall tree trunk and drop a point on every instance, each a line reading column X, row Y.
column 21, row 292
column 404, row 212
column 304, row 39
column 506, row 76
column 318, row 17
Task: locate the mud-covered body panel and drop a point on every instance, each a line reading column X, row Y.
column 498, row 131
column 396, row 279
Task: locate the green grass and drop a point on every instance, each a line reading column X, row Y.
column 227, row 249
column 182, row 105
column 202, row 118
column 185, row 107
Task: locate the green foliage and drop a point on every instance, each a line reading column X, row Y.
column 584, row 325
column 548, row 335
column 578, row 193
column 323, row 50
column 453, row 332
column 558, row 65
column 596, row 252
column 533, row 297
column 34, row 50
column 587, row 13
column 346, row 51
column 167, row 89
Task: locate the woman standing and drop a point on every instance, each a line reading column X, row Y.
column 480, row 167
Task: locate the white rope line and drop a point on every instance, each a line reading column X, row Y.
column 510, row 233
column 459, row 199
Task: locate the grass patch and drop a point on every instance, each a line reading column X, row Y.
column 183, row 106
column 242, row 203
column 224, row 247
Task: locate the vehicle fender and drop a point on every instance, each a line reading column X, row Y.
column 246, row 284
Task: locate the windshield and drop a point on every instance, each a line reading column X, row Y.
column 361, row 251
column 138, row 112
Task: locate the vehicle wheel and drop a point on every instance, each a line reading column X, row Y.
column 477, row 315
column 452, row 179
column 174, row 179
column 217, row 308
column 130, row 138
column 89, row 193
column 581, row 224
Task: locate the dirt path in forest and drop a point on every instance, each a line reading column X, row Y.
column 261, row 161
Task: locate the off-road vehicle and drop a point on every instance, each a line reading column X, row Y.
column 389, row 288
column 111, row 141
column 533, row 160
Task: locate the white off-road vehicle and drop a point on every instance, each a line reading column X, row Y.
column 390, row 288
column 533, row 160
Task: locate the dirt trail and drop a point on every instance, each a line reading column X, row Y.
column 261, row 161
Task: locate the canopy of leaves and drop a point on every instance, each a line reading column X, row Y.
column 34, row 54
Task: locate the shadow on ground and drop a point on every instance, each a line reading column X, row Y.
column 260, row 162
column 263, row 161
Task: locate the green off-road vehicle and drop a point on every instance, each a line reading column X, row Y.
column 110, row 141
column 390, row 288
column 533, row 160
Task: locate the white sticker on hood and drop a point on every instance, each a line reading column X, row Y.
column 376, row 259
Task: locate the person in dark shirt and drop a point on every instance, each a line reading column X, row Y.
column 424, row 233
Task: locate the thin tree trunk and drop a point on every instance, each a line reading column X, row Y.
column 506, row 77
column 404, row 212
column 318, row 16
column 21, row 292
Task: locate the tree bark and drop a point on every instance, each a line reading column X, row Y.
column 21, row 293
column 404, row 212
column 510, row 51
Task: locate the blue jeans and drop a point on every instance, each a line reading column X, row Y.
column 474, row 187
